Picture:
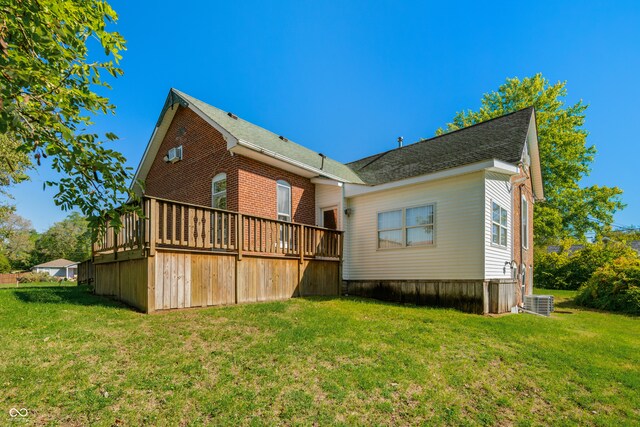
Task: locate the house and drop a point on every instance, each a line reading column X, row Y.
column 229, row 205
column 61, row 268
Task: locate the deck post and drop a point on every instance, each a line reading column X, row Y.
column 301, row 242
column 115, row 244
column 153, row 222
column 239, row 235
column 341, row 261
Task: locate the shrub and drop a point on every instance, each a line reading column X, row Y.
column 614, row 287
column 36, row 277
column 570, row 271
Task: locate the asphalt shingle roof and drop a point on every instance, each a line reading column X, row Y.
column 244, row 130
column 502, row 138
column 57, row 263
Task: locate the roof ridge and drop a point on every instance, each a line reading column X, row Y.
column 440, row 136
column 288, row 140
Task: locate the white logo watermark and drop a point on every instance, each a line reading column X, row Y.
column 22, row 412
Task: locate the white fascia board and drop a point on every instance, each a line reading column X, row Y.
column 285, row 159
column 534, row 153
column 352, row 190
column 151, row 151
column 325, row 181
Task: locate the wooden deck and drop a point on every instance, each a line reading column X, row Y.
column 178, row 255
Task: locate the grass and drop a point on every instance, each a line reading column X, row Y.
column 72, row 358
column 36, row 285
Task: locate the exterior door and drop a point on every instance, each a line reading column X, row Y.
column 330, row 218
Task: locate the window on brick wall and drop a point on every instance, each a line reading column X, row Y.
column 219, row 191
column 284, row 200
column 524, row 220
column 219, row 229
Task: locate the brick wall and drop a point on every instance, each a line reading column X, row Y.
column 520, row 254
column 258, row 193
column 251, row 185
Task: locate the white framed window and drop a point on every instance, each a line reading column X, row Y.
column 405, row 227
column 524, row 220
column 499, row 217
column 174, row 154
column 284, row 200
column 219, row 191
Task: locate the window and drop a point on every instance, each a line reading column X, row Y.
column 284, row 200
column 406, row 227
column 498, row 225
column 174, row 154
column 524, row 220
column 219, row 191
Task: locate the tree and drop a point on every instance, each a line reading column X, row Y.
column 13, row 167
column 16, row 240
column 69, row 238
column 48, row 95
column 569, row 209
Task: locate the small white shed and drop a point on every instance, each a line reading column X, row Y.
column 62, row 268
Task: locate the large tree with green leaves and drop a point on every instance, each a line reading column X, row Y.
column 14, row 165
column 570, row 210
column 49, row 88
column 17, row 240
column 69, row 238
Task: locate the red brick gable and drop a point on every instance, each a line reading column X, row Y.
column 251, row 185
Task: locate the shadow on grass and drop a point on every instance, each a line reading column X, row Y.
column 77, row 295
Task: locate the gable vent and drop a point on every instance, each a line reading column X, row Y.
column 233, row 116
column 283, row 138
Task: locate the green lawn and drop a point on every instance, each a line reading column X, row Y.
column 37, row 285
column 72, row 358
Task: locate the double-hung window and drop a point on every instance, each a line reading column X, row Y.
column 219, row 191
column 284, row 210
column 284, row 200
column 219, row 201
column 524, row 220
column 498, row 225
column 406, row 227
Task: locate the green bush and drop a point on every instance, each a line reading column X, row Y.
column 37, row 277
column 614, row 287
column 570, row 271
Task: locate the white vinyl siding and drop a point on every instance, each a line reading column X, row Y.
column 457, row 251
column 328, row 196
column 497, row 190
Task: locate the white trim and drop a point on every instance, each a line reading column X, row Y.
column 494, row 165
column 325, row 181
column 534, row 154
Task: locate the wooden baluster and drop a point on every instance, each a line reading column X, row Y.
column 207, row 227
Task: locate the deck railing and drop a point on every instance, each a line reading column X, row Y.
column 174, row 225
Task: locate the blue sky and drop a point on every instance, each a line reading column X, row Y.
column 347, row 78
